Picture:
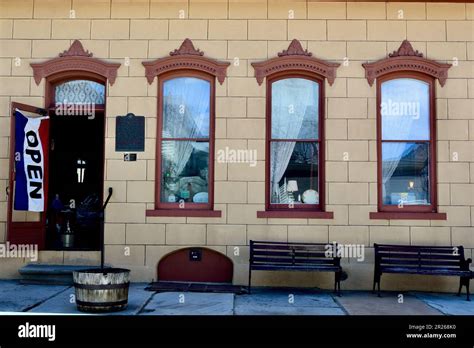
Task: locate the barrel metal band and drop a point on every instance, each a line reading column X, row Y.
column 101, row 286
column 101, row 304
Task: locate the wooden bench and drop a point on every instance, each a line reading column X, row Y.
column 424, row 260
column 280, row 256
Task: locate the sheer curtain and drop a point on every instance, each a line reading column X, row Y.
column 292, row 99
column 185, row 115
column 399, row 98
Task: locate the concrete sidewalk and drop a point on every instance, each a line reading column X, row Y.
column 16, row 298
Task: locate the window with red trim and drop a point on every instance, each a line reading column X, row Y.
column 295, row 133
column 294, row 142
column 406, row 133
column 185, row 141
column 185, row 134
column 406, row 143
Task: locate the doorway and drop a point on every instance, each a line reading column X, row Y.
column 76, row 174
column 76, row 162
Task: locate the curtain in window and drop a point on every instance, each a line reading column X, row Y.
column 186, row 111
column 293, row 104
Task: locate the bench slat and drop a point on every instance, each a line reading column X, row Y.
column 424, row 256
column 421, row 262
column 295, row 268
column 256, row 242
column 320, row 248
column 290, row 260
column 416, row 249
column 299, row 253
column 432, row 271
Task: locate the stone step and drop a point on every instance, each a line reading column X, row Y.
column 37, row 273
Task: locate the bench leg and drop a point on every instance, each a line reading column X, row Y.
column 464, row 282
column 377, row 277
column 250, row 278
column 378, row 286
column 337, row 283
column 468, row 298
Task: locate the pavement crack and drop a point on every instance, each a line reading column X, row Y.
column 29, row 308
column 341, row 306
column 143, row 306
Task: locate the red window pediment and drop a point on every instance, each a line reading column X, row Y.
column 76, row 58
column 406, row 59
column 186, row 57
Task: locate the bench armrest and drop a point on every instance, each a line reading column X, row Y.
column 465, row 264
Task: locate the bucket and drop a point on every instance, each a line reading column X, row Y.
column 101, row 290
column 67, row 240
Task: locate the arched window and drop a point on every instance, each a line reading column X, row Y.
column 185, row 134
column 295, row 133
column 406, row 134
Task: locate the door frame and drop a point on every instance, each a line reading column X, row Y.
column 50, row 104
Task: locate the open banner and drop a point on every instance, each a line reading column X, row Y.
column 30, row 141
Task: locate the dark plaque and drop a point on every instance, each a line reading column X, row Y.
column 130, row 133
column 130, row 157
column 195, row 254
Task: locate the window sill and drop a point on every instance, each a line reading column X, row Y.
column 184, row 213
column 407, row 216
column 285, row 214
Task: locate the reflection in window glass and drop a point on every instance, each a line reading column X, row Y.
column 186, row 108
column 295, row 109
column 294, row 172
column 185, row 168
column 80, row 92
column 185, row 161
column 405, row 173
column 405, row 110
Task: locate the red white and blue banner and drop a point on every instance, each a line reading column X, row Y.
column 30, row 141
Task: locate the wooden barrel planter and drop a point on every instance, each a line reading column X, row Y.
column 101, row 290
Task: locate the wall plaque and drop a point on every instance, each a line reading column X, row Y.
column 130, row 133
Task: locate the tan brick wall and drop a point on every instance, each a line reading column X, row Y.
column 254, row 30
